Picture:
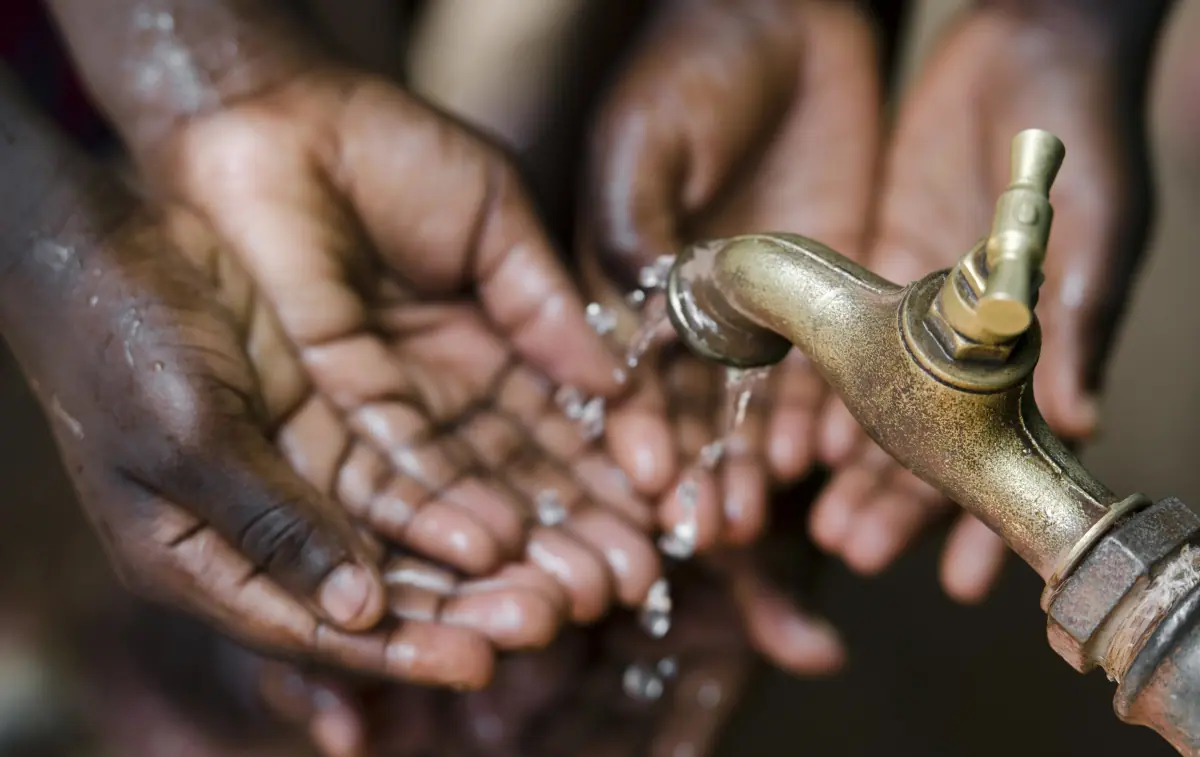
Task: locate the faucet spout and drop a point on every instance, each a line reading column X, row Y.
column 972, row 431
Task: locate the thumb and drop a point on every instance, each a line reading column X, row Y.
column 241, row 487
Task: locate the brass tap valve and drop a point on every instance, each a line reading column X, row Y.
column 987, row 301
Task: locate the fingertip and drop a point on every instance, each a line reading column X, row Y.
column 801, row 644
column 513, row 619
column 869, row 548
column 353, row 597
column 838, row 434
column 336, row 730
column 691, row 515
column 832, row 518
column 641, row 443
column 440, row 655
column 972, row 561
column 744, row 500
column 790, row 445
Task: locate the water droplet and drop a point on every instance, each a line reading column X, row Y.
column 570, row 401
column 653, row 328
column 654, row 276
column 591, row 419
column 668, row 667
column 636, row 299
column 642, row 684
column 601, row 319
column 680, row 543
column 711, row 454
column 93, row 300
column 655, row 615
column 550, row 509
column 158, row 366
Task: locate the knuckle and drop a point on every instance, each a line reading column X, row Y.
column 280, row 540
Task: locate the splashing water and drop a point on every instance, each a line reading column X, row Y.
column 588, row 412
column 655, row 616
column 640, row 681
column 602, row 320
column 655, row 275
column 680, row 543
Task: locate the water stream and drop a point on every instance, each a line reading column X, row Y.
column 647, row 681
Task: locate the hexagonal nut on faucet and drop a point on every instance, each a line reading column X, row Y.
column 1113, row 568
column 957, row 346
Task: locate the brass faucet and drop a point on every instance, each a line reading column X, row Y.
column 939, row 374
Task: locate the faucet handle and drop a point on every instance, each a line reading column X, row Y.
column 1020, row 231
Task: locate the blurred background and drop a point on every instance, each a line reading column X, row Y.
column 926, row 677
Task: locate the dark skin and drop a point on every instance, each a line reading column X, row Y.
column 157, row 409
column 566, row 699
column 171, row 380
column 412, row 281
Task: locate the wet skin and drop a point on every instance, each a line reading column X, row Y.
column 732, row 118
column 566, row 699
column 797, row 82
column 406, row 324
column 168, row 375
column 422, row 327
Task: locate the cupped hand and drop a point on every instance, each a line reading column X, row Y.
column 607, row 690
column 732, row 118
column 433, row 333
column 160, row 414
column 994, row 75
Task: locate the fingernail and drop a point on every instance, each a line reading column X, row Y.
column 345, row 593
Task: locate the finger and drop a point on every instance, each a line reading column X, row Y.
column 327, row 713
column 831, row 521
column 640, row 439
column 609, row 487
column 238, row 484
column 839, row 435
column 779, row 629
column 971, row 561
column 796, row 397
column 703, row 700
column 632, row 560
column 884, row 527
column 468, row 223
column 513, row 614
column 578, row 569
column 691, row 514
column 202, row 572
column 421, row 495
